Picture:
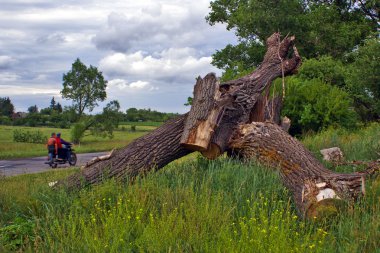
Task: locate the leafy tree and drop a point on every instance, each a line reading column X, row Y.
column 58, row 108
column 133, row 114
column 325, row 68
column 52, row 104
column 363, row 79
column 85, row 86
column 100, row 125
column 6, row 107
column 321, row 27
column 189, row 101
column 33, row 109
column 313, row 105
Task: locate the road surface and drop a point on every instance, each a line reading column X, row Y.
column 37, row 164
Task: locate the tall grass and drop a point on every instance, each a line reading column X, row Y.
column 362, row 144
column 190, row 206
column 195, row 206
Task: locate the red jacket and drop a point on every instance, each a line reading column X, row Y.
column 58, row 141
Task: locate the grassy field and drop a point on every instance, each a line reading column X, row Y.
column 190, row 206
column 10, row 149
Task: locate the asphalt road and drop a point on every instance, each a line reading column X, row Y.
column 37, row 164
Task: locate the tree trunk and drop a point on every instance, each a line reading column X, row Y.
column 204, row 114
column 317, row 191
column 151, row 151
column 246, row 91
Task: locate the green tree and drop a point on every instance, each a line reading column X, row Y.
column 33, row 109
column 100, row 125
column 6, row 107
column 321, row 27
column 58, row 108
column 363, row 78
column 85, row 86
column 52, row 104
column 313, row 105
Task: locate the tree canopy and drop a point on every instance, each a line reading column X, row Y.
column 6, row 107
column 338, row 40
column 85, row 86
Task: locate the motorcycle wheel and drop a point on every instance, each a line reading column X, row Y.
column 73, row 159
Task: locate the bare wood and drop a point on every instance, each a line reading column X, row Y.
column 98, row 158
column 317, row 191
column 204, row 114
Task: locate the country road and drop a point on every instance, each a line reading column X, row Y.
column 37, row 164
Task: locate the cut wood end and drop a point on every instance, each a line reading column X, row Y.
column 212, row 152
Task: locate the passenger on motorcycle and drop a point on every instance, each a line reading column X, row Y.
column 52, row 147
column 62, row 151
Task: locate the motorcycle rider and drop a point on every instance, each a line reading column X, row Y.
column 52, row 147
column 62, row 151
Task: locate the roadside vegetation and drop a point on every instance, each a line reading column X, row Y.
column 190, row 205
column 123, row 135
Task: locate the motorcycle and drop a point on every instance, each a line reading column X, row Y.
column 66, row 156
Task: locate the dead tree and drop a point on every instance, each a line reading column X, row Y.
column 317, row 191
column 206, row 128
column 220, row 119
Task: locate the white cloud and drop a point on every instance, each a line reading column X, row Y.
column 171, row 65
column 11, row 90
column 117, row 85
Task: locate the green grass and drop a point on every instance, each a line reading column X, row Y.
column 193, row 205
column 11, row 150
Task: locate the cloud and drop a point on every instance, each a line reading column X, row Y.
column 171, row 65
column 158, row 26
column 117, row 85
column 6, row 61
column 11, row 90
column 151, row 51
column 8, row 77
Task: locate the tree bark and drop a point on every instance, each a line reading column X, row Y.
column 246, row 90
column 317, row 191
column 151, row 151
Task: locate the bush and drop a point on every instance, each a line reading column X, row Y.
column 4, row 120
column 77, row 132
column 313, row 105
column 29, row 137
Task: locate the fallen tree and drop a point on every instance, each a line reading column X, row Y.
column 317, row 191
column 217, row 122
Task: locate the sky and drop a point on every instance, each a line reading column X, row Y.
column 150, row 51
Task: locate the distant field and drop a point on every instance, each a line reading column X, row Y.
column 122, row 137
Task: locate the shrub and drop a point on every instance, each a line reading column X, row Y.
column 313, row 105
column 27, row 136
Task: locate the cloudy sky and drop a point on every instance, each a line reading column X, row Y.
column 150, row 51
